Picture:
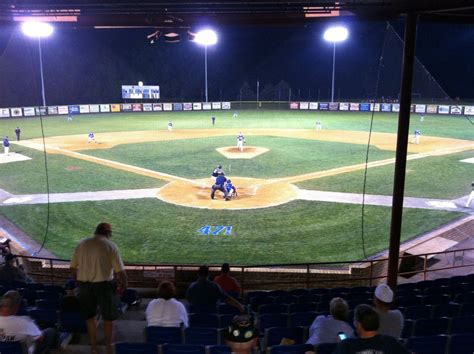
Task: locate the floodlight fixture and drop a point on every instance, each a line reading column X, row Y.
column 334, row 35
column 37, row 29
column 206, row 37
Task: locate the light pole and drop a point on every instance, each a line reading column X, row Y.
column 205, row 38
column 334, row 35
column 38, row 30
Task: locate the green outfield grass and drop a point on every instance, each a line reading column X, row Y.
column 150, row 230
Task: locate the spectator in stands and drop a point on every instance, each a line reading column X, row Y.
column 22, row 328
column 227, row 282
column 166, row 311
column 391, row 321
column 70, row 302
column 242, row 335
column 93, row 264
column 366, row 321
column 325, row 329
column 10, row 273
column 205, row 293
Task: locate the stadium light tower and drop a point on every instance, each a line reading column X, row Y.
column 334, row 35
column 205, row 38
column 38, row 30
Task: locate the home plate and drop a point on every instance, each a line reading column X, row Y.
column 13, row 157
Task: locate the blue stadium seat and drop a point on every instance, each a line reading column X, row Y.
column 272, row 308
column 304, row 319
column 259, row 301
column 219, row 349
column 203, row 309
column 226, row 309
column 441, row 282
column 12, row 347
column 425, row 284
column 276, row 293
column 407, row 330
column 161, row 335
column 29, row 295
column 182, row 349
column 48, row 295
column 291, row 349
column 35, row 286
column 467, row 309
column 428, row 344
column 446, row 310
column 135, row 348
column 407, row 301
column 339, row 290
column 318, row 291
column 326, row 348
column 303, row 299
column 287, row 299
column 274, row 335
column 272, row 320
column 298, row 292
column 417, row 312
column 360, row 289
column 431, row 326
column 203, row 320
column 462, row 343
column 463, row 324
column 55, row 289
column 225, row 320
column 435, row 299
column 72, row 322
column 201, row 336
column 308, row 306
column 464, row 298
column 47, row 304
column 254, row 294
column 322, row 306
column 44, row 318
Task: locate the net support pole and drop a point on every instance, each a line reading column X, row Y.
column 402, row 147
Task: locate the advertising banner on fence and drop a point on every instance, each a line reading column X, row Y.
column 469, row 110
column 396, row 107
column 344, row 106
column 420, row 108
column 4, row 113
column 294, row 105
column 443, row 109
column 52, row 110
column 375, row 107
column 304, row 105
column 104, row 108
column 333, row 106
column 365, row 107
column 313, row 105
column 126, row 107
column 94, row 108
column 188, row 106
column 72, row 110
column 115, row 108
column 63, row 110
column 225, row 105
column 177, row 106
column 432, row 109
column 16, row 112
column 167, row 107
column 456, row 110
column 197, row 106
column 206, row 105
column 137, row 107
column 84, row 108
column 157, row 107
column 216, row 105
column 386, row 107
column 29, row 111
column 323, row 106
column 354, row 106
column 147, row 107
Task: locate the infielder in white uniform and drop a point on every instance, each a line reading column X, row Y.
column 170, row 126
column 240, row 141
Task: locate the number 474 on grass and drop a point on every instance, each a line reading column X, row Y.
column 215, row 230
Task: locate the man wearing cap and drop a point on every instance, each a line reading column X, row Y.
column 366, row 322
column 93, row 265
column 10, row 273
column 242, row 335
column 22, row 328
column 391, row 321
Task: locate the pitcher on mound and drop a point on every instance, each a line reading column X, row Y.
column 240, row 142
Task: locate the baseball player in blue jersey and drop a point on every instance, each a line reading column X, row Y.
column 91, row 137
column 240, row 141
column 219, row 185
column 231, row 190
column 416, row 137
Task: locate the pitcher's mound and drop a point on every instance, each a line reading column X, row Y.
column 252, row 193
column 232, row 152
column 13, row 157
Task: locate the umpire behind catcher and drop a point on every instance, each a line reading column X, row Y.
column 219, row 185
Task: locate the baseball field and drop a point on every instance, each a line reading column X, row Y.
column 299, row 189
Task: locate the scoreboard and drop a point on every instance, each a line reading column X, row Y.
column 140, row 92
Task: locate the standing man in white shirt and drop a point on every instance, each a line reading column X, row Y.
column 93, row 265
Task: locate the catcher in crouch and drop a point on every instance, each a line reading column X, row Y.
column 231, row 190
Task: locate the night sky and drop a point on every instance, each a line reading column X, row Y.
column 89, row 66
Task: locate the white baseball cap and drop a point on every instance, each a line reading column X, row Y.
column 384, row 293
